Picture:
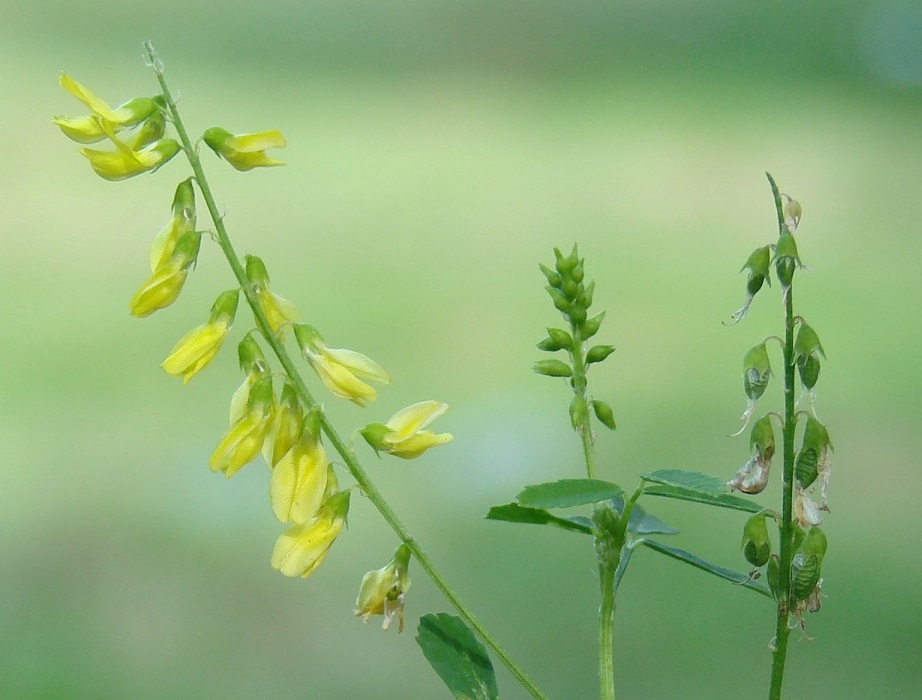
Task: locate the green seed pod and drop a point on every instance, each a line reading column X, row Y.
column 578, row 411
column 805, row 574
column 754, row 284
column 598, row 353
column 757, row 370
column 814, row 544
column 809, row 369
column 604, row 413
column 756, row 545
column 786, row 258
column 805, row 467
column 807, row 343
column 762, row 438
column 553, row 368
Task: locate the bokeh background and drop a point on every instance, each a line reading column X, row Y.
column 437, row 152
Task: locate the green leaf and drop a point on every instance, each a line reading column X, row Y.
column 724, row 500
column 691, row 481
column 514, row 513
column 719, row 571
column 568, row 492
column 644, row 523
column 457, row 656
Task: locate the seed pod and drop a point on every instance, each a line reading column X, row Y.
column 805, row 467
column 809, row 369
column 756, row 545
column 786, row 258
column 805, row 574
column 757, row 370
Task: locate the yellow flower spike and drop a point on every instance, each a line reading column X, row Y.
column 299, row 480
column 301, row 548
column 124, row 163
column 199, row 346
column 403, row 435
column 383, row 591
column 340, row 370
column 245, row 438
column 163, row 287
column 244, row 151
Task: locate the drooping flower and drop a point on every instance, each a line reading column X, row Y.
column 383, row 591
column 279, row 311
column 301, row 548
column 163, row 287
column 403, row 434
column 340, row 370
column 244, row 151
column 244, row 439
column 299, row 480
column 199, row 346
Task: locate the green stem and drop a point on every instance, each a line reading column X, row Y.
column 578, row 358
column 606, row 630
column 348, row 456
column 786, row 528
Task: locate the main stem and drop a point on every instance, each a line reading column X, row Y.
column 782, row 629
column 348, row 456
column 606, row 630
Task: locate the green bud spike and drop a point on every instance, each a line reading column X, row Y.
column 553, row 368
column 578, row 411
column 604, row 413
column 598, row 353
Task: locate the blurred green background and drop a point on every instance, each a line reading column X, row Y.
column 437, row 152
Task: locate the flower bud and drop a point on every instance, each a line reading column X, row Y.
column 557, row 339
column 590, row 327
column 598, row 353
column 553, row 278
column 604, row 413
column 578, row 412
column 251, row 357
column 553, row 368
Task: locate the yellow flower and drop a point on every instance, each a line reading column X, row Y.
column 245, row 438
column 341, row 370
column 182, row 222
column 199, row 346
column 301, row 548
column 244, row 151
column 279, row 311
column 383, row 591
column 123, row 162
column 163, row 287
column 299, row 480
column 403, row 435
column 104, row 119
column 287, row 426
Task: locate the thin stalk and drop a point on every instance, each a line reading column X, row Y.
column 782, row 629
column 348, row 456
column 578, row 358
column 606, row 629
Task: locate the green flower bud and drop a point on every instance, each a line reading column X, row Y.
column 553, row 278
column 566, row 264
column 757, row 547
column 557, row 339
column 585, row 298
column 256, row 270
column 561, row 303
column 604, row 413
column 577, row 273
column 569, row 288
column 225, row 306
column 598, row 353
column 591, row 326
column 553, row 368
column 252, row 359
column 578, row 318
column 578, row 411
column 184, row 200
